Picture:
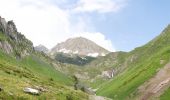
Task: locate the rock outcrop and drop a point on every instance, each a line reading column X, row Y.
column 108, row 74
column 11, row 41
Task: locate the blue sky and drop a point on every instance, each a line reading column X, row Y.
column 113, row 24
column 139, row 22
column 136, row 24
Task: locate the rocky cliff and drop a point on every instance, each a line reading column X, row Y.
column 12, row 41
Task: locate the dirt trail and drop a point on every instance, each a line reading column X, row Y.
column 156, row 85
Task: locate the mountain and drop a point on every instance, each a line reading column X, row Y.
column 26, row 74
column 145, row 75
column 79, row 46
column 41, row 48
column 141, row 74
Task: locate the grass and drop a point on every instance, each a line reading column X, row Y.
column 2, row 36
column 32, row 71
column 42, row 68
column 124, row 85
column 144, row 66
column 165, row 95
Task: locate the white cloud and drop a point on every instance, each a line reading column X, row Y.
column 39, row 21
column 100, row 6
column 47, row 24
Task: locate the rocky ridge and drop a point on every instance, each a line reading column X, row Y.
column 12, row 41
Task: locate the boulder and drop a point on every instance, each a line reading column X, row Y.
column 31, row 91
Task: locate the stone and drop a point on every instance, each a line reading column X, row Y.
column 31, row 91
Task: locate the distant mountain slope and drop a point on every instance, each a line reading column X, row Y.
column 145, row 62
column 41, row 48
column 80, row 46
column 73, row 59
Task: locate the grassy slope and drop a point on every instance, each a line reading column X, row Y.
column 145, row 66
column 32, row 71
column 166, row 95
column 96, row 67
column 45, row 70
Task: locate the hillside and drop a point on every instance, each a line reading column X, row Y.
column 21, row 67
column 33, row 72
column 79, row 69
column 147, row 61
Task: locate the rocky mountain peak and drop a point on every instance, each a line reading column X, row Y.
column 3, row 25
column 80, row 46
column 41, row 48
column 12, row 41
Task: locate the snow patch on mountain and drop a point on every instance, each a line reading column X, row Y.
column 103, row 54
column 93, row 54
column 76, row 52
column 64, row 50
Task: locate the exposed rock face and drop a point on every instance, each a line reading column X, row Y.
column 6, row 46
column 11, row 41
column 108, row 74
column 41, row 48
column 3, row 25
column 80, row 46
column 11, row 30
